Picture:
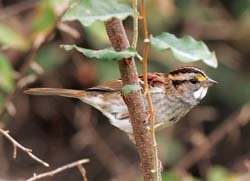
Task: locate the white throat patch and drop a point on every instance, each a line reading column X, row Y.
column 200, row 93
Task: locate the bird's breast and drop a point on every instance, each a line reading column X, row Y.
column 168, row 109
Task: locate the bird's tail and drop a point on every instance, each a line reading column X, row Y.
column 56, row 92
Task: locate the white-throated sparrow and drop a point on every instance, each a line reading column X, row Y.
column 173, row 95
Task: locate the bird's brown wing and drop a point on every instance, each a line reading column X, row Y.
column 109, row 86
column 154, row 79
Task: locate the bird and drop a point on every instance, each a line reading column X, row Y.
column 173, row 95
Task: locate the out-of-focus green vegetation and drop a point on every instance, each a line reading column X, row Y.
column 52, row 126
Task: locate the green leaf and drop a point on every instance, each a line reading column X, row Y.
column 89, row 11
column 171, row 176
column 107, row 70
column 96, row 35
column 56, row 3
column 217, row 173
column 6, row 75
column 50, row 57
column 45, row 18
column 2, row 99
column 185, row 49
column 13, row 39
column 105, row 54
column 130, row 88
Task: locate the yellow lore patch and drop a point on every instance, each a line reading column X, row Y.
column 201, row 77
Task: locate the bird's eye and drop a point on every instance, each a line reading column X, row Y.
column 193, row 81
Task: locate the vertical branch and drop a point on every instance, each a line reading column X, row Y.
column 145, row 47
column 134, row 100
column 157, row 171
column 135, row 24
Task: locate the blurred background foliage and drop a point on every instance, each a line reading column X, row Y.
column 61, row 130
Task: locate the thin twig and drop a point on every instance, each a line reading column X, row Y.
column 233, row 122
column 83, row 172
column 21, row 147
column 157, row 171
column 69, row 30
column 145, row 46
column 135, row 24
column 37, row 43
column 58, row 170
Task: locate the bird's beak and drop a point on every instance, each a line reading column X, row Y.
column 209, row 82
